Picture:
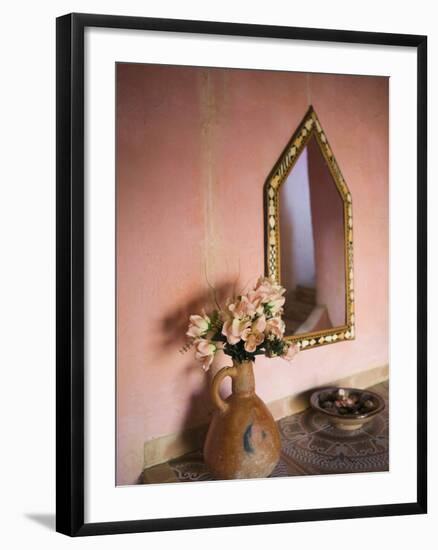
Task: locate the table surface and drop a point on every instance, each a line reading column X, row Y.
column 310, row 446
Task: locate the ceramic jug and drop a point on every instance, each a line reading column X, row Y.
column 242, row 440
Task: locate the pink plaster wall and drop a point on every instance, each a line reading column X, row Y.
column 194, row 148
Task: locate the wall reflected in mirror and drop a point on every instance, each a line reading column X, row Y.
column 312, row 245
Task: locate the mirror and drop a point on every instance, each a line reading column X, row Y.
column 312, row 245
column 309, row 238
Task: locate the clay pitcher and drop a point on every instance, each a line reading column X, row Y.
column 243, row 439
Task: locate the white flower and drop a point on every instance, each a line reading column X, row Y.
column 290, row 352
column 275, row 327
column 199, row 326
column 233, row 329
column 204, row 352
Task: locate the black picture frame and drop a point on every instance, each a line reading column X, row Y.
column 70, row 273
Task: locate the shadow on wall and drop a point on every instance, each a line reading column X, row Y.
column 174, row 326
column 175, row 323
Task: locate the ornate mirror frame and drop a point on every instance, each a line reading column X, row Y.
column 309, row 126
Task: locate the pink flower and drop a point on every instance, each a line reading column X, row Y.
column 267, row 286
column 199, row 326
column 276, row 327
column 270, row 293
column 252, row 320
column 253, row 340
column 255, row 300
column 275, row 304
column 253, row 336
column 244, row 306
column 259, row 325
column 234, row 328
column 204, row 352
column 291, row 351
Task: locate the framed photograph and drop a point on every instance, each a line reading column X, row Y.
column 241, row 274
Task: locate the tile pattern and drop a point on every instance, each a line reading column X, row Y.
column 311, row 446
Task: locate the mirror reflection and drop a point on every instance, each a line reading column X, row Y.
column 312, row 250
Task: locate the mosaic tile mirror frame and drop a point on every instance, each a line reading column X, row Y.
column 309, row 128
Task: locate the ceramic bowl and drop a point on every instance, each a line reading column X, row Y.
column 347, row 408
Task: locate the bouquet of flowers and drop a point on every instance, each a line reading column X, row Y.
column 247, row 326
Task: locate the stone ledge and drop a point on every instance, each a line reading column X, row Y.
column 162, row 449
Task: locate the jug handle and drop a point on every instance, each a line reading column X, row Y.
column 217, row 381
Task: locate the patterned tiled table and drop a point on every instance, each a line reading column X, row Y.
column 310, row 445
